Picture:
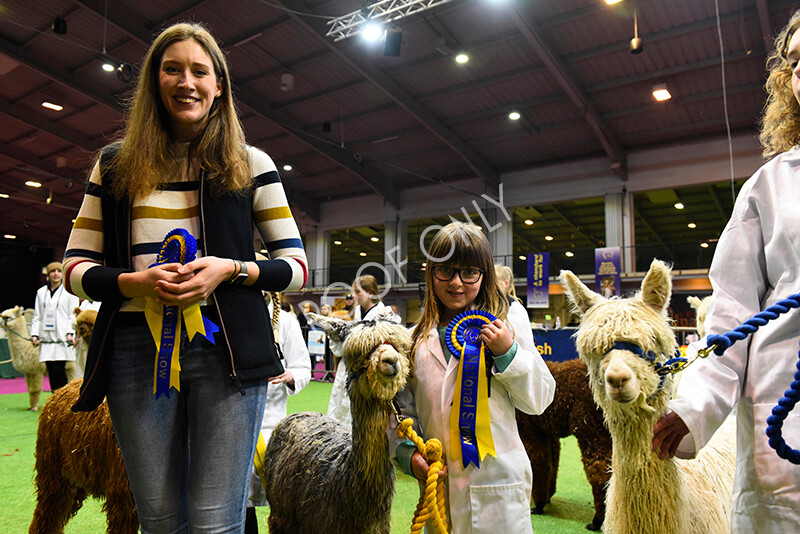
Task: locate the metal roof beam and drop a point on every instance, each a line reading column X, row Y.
column 611, row 145
column 403, row 98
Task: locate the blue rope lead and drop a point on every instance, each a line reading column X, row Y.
column 791, row 395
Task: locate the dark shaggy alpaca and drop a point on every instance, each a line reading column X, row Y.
column 572, row 412
column 77, row 455
column 320, row 473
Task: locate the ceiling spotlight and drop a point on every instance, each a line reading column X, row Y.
column 569, row 254
column 529, row 222
column 514, row 116
column 523, row 258
column 374, row 239
column 462, row 58
column 548, row 238
column 50, row 197
column 661, row 93
column 50, row 105
column 10, row 236
column 636, row 43
column 3, row 195
column 108, row 67
column 692, row 225
column 704, row 244
column 287, row 167
column 59, row 25
column 373, row 32
column 125, row 73
column 362, row 254
column 679, row 206
column 612, row 2
column 31, row 183
column 337, row 242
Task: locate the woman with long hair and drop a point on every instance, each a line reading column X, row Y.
column 186, row 425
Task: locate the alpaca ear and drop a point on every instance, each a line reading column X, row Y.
column 579, row 294
column 77, row 311
column 657, row 286
column 694, row 302
column 337, row 329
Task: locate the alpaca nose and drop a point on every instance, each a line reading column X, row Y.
column 617, row 376
column 389, row 365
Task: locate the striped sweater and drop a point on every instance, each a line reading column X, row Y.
column 175, row 204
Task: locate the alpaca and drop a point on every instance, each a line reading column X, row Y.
column 322, row 477
column 84, row 324
column 572, row 412
column 25, row 356
column 701, row 309
column 647, row 494
column 76, row 456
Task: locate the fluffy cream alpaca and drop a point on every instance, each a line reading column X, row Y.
column 700, row 308
column 646, row 494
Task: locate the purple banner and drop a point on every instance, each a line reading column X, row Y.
column 606, row 271
column 539, row 280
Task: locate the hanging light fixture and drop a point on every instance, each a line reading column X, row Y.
column 636, row 42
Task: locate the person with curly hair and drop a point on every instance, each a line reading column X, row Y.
column 755, row 266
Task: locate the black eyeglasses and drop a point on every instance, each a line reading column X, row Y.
column 468, row 275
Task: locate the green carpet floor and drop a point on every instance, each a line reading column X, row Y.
column 569, row 512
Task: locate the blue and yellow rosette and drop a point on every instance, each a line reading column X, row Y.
column 470, row 429
column 179, row 246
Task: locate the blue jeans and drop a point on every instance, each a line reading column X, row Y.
column 189, row 456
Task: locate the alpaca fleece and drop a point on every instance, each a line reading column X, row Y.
column 323, row 477
column 77, row 456
column 647, row 494
column 572, row 412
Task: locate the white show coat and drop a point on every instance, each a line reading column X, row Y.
column 59, row 306
column 756, row 264
column 339, row 403
column 495, row 498
column 296, row 359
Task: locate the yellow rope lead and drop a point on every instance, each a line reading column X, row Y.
column 431, row 502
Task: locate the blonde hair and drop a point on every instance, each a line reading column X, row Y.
column 460, row 245
column 147, row 155
column 780, row 125
column 506, row 275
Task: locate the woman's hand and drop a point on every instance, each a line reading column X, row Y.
column 196, row 280
column 286, row 377
column 497, row 337
column 668, row 433
column 420, row 468
column 144, row 283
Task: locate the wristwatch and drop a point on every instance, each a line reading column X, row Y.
column 241, row 276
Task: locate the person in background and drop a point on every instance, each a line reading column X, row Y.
column 51, row 328
column 493, row 498
column 349, row 303
column 369, row 307
column 183, row 163
column 517, row 314
column 295, row 377
column 755, row 266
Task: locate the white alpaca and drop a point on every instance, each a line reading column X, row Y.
column 700, row 307
column 646, row 494
column 25, row 356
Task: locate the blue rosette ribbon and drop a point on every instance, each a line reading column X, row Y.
column 470, row 425
column 165, row 322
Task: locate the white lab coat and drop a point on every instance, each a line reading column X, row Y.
column 296, row 359
column 756, row 264
column 495, row 498
column 339, row 403
column 62, row 304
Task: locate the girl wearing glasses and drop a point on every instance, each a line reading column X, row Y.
column 494, row 497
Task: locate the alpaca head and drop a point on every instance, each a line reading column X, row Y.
column 84, row 323
column 10, row 314
column 700, row 308
column 611, row 333
column 376, row 354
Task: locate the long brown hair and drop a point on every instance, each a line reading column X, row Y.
column 147, row 155
column 780, row 125
column 462, row 245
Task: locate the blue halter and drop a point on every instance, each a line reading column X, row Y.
column 671, row 366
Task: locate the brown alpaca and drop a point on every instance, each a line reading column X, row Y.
column 572, row 412
column 84, row 325
column 77, row 456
